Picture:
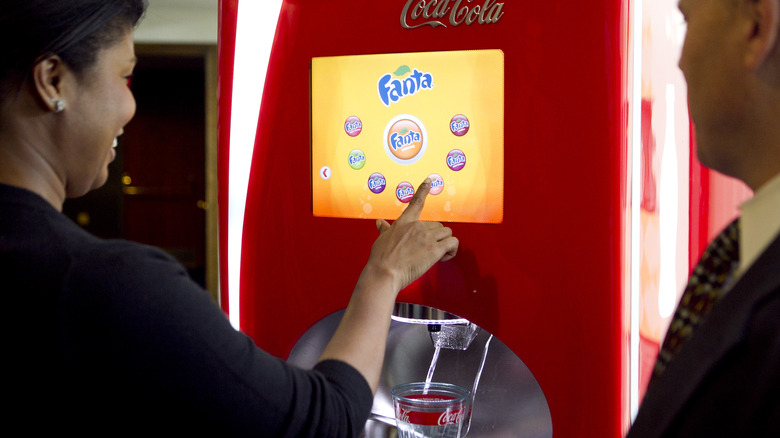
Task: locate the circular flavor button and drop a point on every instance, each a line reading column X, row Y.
column 405, row 139
column 437, row 184
column 456, row 160
column 459, row 125
column 357, row 159
column 353, row 126
column 404, row 192
column 377, row 183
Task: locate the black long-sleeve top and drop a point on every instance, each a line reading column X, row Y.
column 112, row 337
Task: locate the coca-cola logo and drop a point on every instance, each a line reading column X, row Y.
column 435, row 13
column 451, row 417
column 426, row 418
column 402, row 414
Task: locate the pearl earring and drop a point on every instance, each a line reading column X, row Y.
column 58, row 105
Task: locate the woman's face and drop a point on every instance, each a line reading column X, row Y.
column 99, row 104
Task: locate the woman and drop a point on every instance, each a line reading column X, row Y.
column 122, row 341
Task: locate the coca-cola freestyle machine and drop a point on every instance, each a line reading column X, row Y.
column 518, row 111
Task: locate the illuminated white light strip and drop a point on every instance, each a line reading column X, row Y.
column 459, row 321
column 255, row 29
column 636, row 183
column 667, row 285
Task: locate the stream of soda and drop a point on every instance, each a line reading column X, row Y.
column 431, row 370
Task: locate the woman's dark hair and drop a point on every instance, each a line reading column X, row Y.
column 74, row 30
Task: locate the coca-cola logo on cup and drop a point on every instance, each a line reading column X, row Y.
column 418, row 13
column 411, row 416
column 402, row 414
column 451, row 417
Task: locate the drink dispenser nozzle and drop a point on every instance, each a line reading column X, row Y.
column 446, row 330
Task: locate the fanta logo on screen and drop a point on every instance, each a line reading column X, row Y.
column 459, row 125
column 437, row 184
column 353, row 126
column 404, row 192
column 418, row 13
column 377, row 183
column 392, row 89
column 357, row 159
column 405, row 139
column 456, row 160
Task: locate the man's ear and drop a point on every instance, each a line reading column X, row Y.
column 47, row 80
column 764, row 16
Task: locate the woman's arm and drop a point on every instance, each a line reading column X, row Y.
column 402, row 253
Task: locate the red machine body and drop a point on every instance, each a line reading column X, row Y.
column 550, row 280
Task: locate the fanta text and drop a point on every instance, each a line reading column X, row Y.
column 354, row 159
column 398, row 141
column 353, row 126
column 457, row 159
column 459, row 124
column 392, row 90
column 376, row 183
column 404, row 192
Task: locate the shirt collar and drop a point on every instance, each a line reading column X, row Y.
column 759, row 222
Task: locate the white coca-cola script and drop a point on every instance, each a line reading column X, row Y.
column 451, row 417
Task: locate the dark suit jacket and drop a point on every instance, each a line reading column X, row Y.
column 725, row 380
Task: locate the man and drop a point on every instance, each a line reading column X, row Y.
column 718, row 373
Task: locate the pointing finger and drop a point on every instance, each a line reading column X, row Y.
column 412, row 212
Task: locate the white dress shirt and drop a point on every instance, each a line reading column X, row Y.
column 759, row 223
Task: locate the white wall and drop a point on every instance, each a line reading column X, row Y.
column 179, row 22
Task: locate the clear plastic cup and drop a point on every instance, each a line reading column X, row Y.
column 441, row 410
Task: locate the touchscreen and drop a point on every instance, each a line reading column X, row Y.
column 381, row 124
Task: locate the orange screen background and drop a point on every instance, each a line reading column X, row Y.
column 468, row 83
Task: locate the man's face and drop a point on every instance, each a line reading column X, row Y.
column 710, row 63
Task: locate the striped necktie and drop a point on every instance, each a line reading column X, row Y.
column 707, row 284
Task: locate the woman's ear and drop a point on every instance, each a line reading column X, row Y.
column 762, row 40
column 47, row 80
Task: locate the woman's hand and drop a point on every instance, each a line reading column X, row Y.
column 408, row 248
